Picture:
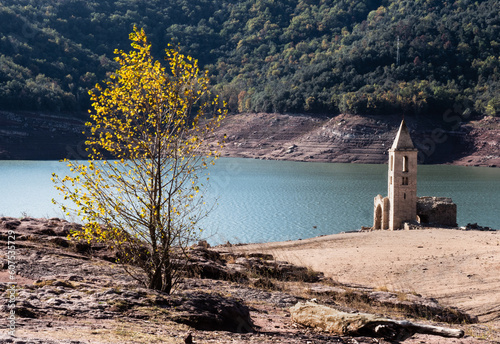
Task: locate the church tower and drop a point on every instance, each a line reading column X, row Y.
column 402, row 181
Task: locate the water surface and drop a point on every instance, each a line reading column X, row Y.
column 261, row 201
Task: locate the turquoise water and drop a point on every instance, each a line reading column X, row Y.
column 260, row 201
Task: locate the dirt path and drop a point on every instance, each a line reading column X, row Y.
column 459, row 268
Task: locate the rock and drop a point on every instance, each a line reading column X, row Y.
column 291, row 149
column 82, row 247
column 205, row 263
column 21, row 340
column 263, row 256
column 70, row 227
column 44, row 231
column 263, row 283
column 204, row 244
column 12, row 224
column 362, row 324
column 276, row 298
column 212, row 270
column 203, row 253
column 59, row 241
column 54, row 302
column 326, row 290
column 205, row 311
column 131, row 294
column 59, row 283
column 25, row 312
column 476, row 227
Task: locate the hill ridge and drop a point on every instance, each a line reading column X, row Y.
column 292, row 56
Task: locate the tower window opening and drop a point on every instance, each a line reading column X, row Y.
column 391, row 163
column 405, row 181
column 405, row 164
column 404, row 195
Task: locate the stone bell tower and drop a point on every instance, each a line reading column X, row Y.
column 402, row 204
column 402, row 181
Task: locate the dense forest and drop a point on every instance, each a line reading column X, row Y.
column 294, row 56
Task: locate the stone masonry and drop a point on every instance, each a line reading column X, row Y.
column 402, row 204
column 437, row 210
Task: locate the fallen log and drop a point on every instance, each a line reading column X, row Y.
column 362, row 324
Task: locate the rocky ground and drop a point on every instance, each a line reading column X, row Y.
column 485, row 141
column 70, row 292
column 343, row 138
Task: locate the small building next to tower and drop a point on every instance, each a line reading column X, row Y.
column 402, row 204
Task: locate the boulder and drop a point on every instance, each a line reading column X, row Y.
column 11, row 224
column 205, row 311
column 362, row 324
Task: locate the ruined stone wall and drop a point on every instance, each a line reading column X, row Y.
column 437, row 211
column 381, row 212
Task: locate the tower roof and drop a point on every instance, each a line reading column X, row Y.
column 403, row 140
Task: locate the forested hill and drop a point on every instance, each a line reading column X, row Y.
column 296, row 56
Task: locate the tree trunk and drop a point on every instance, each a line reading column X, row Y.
column 167, row 281
column 156, row 281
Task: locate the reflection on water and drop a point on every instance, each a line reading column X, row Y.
column 261, row 201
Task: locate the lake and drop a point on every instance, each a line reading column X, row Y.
column 261, row 201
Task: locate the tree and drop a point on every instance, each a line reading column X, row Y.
column 140, row 190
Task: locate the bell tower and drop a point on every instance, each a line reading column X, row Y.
column 402, row 179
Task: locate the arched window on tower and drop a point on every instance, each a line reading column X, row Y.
column 405, row 164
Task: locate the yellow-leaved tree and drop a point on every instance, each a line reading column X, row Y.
column 140, row 190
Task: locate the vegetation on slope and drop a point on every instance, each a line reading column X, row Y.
column 314, row 56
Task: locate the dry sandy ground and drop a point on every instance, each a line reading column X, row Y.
column 459, row 268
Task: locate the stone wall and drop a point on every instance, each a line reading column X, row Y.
column 381, row 212
column 437, row 211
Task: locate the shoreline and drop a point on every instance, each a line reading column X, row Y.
column 355, row 139
column 338, row 139
column 363, row 230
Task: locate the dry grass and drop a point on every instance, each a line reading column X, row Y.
column 52, row 282
column 381, row 288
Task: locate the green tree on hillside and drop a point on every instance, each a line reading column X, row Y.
column 315, row 56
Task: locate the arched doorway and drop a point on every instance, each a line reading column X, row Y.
column 378, row 218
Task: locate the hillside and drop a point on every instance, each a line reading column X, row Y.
column 343, row 138
column 358, row 139
column 291, row 56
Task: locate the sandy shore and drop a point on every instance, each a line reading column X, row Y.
column 459, row 268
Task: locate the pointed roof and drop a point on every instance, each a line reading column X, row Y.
column 403, row 140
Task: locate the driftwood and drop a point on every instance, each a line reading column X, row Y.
column 361, row 324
